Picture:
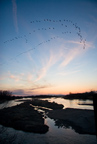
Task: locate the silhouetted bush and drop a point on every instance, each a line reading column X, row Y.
column 6, row 95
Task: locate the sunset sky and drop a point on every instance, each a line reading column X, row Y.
column 48, row 46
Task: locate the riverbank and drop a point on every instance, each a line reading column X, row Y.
column 23, row 117
column 26, row 117
column 82, row 121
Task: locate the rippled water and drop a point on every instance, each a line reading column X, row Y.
column 55, row 135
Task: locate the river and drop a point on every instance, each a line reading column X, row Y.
column 55, row 135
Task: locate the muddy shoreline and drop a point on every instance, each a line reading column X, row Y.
column 25, row 117
column 82, row 121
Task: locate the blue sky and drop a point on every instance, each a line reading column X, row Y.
column 48, row 47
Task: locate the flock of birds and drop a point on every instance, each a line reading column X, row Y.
column 63, row 23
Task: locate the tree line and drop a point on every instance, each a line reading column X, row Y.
column 6, row 95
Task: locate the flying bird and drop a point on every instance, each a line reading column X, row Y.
column 74, row 25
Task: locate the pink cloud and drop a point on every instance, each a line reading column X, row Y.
column 16, row 78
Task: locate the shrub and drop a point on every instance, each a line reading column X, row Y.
column 5, row 95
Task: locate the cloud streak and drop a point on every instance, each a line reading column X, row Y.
column 70, row 56
column 40, row 87
column 15, row 15
column 68, row 73
column 74, row 52
column 20, row 77
column 30, row 91
column 49, row 63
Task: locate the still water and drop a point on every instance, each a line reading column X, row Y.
column 55, row 135
column 72, row 103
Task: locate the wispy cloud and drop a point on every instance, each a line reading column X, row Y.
column 77, row 50
column 40, row 87
column 68, row 73
column 21, row 77
column 70, row 56
column 47, row 64
column 9, row 75
column 15, row 15
column 59, row 55
column 30, row 91
column 16, row 78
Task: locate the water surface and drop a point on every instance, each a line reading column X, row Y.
column 55, row 135
column 72, row 103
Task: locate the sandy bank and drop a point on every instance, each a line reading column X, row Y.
column 82, row 121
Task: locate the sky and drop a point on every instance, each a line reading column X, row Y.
column 48, row 46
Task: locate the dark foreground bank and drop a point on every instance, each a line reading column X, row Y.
column 82, row 121
column 23, row 117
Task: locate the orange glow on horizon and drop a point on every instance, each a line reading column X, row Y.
column 51, row 92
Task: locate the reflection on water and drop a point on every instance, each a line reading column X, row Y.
column 9, row 104
column 72, row 103
column 13, row 102
column 56, row 134
column 67, row 103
